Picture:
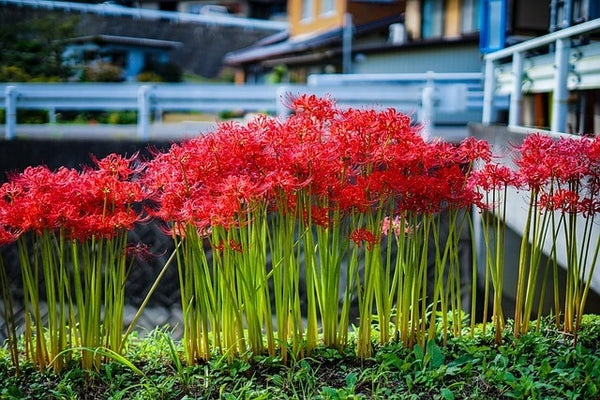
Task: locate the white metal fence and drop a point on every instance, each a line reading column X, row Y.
column 451, row 100
column 566, row 66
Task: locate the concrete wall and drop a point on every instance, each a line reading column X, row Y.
column 503, row 140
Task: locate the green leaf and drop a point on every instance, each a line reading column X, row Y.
column 351, row 380
column 330, row 393
column 418, row 352
column 447, row 394
column 545, row 368
column 509, row 377
column 437, row 357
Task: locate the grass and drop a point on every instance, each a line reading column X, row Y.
column 544, row 365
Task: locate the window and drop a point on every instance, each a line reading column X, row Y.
column 471, row 11
column 307, row 9
column 433, row 18
column 493, row 30
column 327, row 6
column 571, row 12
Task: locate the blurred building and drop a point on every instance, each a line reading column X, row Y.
column 132, row 55
column 398, row 36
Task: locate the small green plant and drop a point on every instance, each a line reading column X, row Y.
column 536, row 365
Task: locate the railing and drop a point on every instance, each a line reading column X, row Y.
column 452, row 101
column 451, row 91
column 143, row 13
column 567, row 68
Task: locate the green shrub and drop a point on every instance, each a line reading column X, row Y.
column 122, row 117
column 149, row 76
column 102, row 72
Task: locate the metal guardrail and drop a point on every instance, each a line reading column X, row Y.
column 475, row 78
column 432, row 102
column 452, row 91
column 560, row 64
column 144, row 13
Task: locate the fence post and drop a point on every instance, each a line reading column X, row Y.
column 561, row 92
column 143, row 103
column 489, row 86
column 514, row 113
column 52, row 115
column 11, row 111
column 427, row 104
column 282, row 96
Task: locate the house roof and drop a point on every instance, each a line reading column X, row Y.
column 283, row 47
column 126, row 40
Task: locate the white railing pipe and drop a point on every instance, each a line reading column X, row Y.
column 489, row 87
column 514, row 112
column 560, row 96
column 10, row 106
column 143, row 98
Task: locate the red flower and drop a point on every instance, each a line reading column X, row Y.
column 6, row 236
column 319, row 216
column 140, row 251
column 360, row 235
column 565, row 200
column 534, row 155
column 494, row 177
column 231, row 244
column 471, row 149
column 117, row 166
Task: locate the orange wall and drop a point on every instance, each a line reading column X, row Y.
column 361, row 13
column 317, row 22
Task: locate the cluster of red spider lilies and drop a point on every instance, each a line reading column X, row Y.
column 282, row 227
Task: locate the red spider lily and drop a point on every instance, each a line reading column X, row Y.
column 81, row 204
column 319, row 216
column 564, row 161
column 471, row 149
column 565, row 200
column 430, row 191
column 360, row 235
column 241, row 188
column 453, row 188
column 534, row 154
column 589, row 206
column 542, row 159
column 117, row 165
column 351, row 158
column 494, row 177
column 570, row 162
column 592, row 151
column 321, row 108
column 353, row 197
column 141, row 251
column 231, row 244
column 6, row 236
column 38, row 199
